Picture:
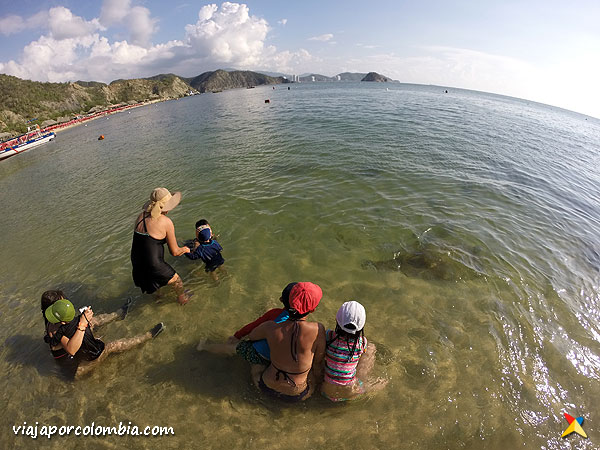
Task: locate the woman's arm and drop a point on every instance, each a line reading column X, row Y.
column 319, row 358
column 272, row 314
column 261, row 331
column 174, row 249
column 73, row 345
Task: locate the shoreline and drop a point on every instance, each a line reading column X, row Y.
column 57, row 128
column 107, row 112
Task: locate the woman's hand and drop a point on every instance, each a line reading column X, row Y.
column 182, row 250
column 86, row 317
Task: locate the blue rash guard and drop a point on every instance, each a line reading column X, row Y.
column 262, row 347
column 209, row 253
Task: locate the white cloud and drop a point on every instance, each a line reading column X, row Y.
column 225, row 36
column 367, row 46
column 323, row 37
column 228, row 35
column 114, row 11
column 141, row 25
column 289, row 62
column 49, row 59
column 282, row 22
column 64, row 25
column 136, row 19
column 13, row 24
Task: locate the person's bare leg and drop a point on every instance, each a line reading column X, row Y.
column 102, row 319
column 111, row 347
column 312, row 384
column 374, row 384
column 86, row 367
column 118, row 346
column 182, row 296
column 124, row 344
column 366, row 362
column 365, row 365
column 256, row 371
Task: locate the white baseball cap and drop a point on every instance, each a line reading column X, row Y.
column 351, row 317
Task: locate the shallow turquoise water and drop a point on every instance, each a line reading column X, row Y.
column 467, row 224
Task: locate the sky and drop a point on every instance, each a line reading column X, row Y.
column 545, row 51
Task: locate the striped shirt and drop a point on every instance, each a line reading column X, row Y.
column 338, row 370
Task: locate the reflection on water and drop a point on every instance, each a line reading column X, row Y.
column 467, row 224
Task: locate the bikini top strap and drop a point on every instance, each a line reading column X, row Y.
column 286, row 375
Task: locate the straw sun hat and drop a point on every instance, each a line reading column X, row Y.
column 161, row 200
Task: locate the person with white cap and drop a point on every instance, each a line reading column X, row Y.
column 152, row 230
column 348, row 356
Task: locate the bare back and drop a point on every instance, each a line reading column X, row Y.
column 157, row 228
column 286, row 374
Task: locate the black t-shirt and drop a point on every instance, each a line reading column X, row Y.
column 90, row 349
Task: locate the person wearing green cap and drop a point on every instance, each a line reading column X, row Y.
column 71, row 340
column 51, row 296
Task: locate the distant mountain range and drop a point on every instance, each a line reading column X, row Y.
column 24, row 102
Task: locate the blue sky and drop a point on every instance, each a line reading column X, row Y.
column 547, row 51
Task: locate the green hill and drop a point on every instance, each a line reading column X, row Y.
column 220, row 80
column 23, row 102
column 374, row 76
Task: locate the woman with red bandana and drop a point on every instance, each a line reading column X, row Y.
column 296, row 346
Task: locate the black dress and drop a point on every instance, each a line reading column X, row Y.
column 150, row 271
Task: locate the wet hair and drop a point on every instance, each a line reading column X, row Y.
column 285, row 299
column 350, row 338
column 201, row 222
column 50, row 297
column 285, row 294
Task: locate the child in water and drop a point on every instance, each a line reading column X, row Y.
column 206, row 248
column 348, row 356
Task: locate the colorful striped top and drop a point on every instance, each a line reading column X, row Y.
column 338, row 370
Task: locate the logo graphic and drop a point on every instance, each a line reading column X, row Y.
column 574, row 426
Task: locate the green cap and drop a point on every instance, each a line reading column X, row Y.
column 60, row 311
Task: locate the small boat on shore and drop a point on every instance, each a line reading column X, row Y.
column 32, row 138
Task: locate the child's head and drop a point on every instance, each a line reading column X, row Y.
column 203, row 233
column 351, row 318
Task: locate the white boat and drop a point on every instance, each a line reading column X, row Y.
column 32, row 138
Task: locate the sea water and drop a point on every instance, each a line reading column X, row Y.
column 467, row 224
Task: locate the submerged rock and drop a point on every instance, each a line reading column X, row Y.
column 427, row 262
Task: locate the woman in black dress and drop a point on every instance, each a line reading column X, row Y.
column 152, row 230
